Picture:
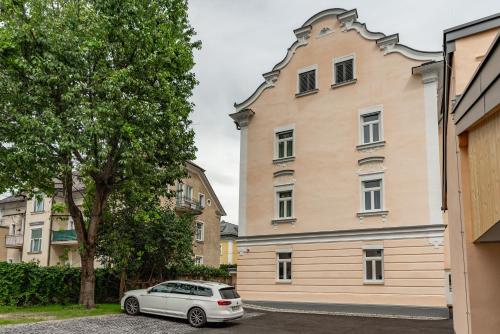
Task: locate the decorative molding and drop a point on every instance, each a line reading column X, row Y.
column 36, row 223
column 284, row 172
column 324, row 32
column 348, row 19
column 283, row 160
column 242, row 117
column 436, row 241
column 386, row 233
column 284, row 221
column 368, row 160
column 363, row 147
column 383, row 214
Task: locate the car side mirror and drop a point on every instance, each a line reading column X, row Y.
column 149, row 290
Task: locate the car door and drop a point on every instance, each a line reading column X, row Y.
column 156, row 299
column 180, row 299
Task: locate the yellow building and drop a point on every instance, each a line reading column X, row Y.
column 228, row 247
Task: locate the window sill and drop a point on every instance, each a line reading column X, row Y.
column 307, row 92
column 283, row 160
column 200, row 241
column 373, row 282
column 34, row 253
column 37, row 212
column 373, row 213
column 283, row 221
column 345, row 83
column 362, row 147
column 288, row 281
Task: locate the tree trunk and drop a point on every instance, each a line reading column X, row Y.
column 123, row 277
column 87, row 280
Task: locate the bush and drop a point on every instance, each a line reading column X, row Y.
column 198, row 272
column 23, row 284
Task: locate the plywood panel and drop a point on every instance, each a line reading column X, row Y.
column 484, row 166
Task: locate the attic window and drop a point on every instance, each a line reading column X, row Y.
column 306, row 80
column 344, row 70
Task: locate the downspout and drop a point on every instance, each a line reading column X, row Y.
column 50, row 233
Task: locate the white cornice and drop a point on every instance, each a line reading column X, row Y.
column 348, row 18
column 388, row 233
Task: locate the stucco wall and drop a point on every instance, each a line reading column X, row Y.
column 327, row 187
column 333, row 273
column 3, row 250
column 229, row 251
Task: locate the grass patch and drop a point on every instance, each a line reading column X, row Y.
column 16, row 315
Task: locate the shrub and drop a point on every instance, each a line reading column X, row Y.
column 23, row 284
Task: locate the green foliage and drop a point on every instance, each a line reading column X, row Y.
column 24, row 284
column 198, row 272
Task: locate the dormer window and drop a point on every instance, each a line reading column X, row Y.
column 307, row 80
column 344, row 70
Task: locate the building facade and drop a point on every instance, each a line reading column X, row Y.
column 228, row 243
column 37, row 233
column 470, row 132
column 339, row 172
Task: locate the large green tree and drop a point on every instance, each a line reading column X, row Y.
column 97, row 93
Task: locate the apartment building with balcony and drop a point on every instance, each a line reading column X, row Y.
column 470, row 131
column 339, row 172
column 38, row 233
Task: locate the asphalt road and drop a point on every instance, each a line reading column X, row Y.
column 253, row 323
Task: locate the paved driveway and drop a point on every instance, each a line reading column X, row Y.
column 253, row 323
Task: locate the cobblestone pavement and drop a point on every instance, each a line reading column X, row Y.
column 110, row 324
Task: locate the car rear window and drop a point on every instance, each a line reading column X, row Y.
column 229, row 293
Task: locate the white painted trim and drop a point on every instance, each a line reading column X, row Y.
column 199, row 257
column 341, row 59
column 373, row 247
column 371, row 110
column 284, row 250
column 242, row 204
column 388, row 233
column 307, row 69
column 432, row 149
column 204, row 199
column 370, row 177
column 202, row 231
column 287, row 261
column 374, row 258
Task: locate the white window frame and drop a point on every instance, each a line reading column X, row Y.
column 373, row 260
column 202, row 231
column 71, row 224
column 372, row 177
column 341, row 59
column 307, row 69
column 277, row 191
column 200, row 262
column 277, row 131
column 32, row 241
column 35, row 203
column 286, row 263
column 202, row 199
column 371, row 110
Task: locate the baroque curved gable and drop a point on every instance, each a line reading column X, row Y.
column 348, row 20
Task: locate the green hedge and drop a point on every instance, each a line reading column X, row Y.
column 23, row 284
column 199, row 271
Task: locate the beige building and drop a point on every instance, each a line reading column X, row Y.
column 36, row 233
column 470, row 129
column 339, row 172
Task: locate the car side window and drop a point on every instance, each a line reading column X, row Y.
column 183, row 289
column 164, row 288
column 202, row 291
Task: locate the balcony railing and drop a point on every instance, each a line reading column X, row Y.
column 63, row 236
column 14, row 240
column 188, row 204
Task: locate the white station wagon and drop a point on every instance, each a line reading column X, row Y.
column 197, row 301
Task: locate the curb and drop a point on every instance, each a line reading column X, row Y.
column 347, row 314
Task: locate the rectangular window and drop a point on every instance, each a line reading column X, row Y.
column 198, row 260
column 374, row 265
column 285, row 203
column 344, row 70
column 200, row 231
column 372, row 194
column 284, row 143
column 184, row 192
column 370, row 128
column 201, row 198
column 307, row 81
column 284, row 266
column 36, row 240
column 38, row 203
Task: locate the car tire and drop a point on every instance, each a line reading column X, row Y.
column 131, row 306
column 197, row 317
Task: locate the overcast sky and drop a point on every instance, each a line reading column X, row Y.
column 244, row 38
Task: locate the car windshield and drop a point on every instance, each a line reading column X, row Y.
column 229, row 293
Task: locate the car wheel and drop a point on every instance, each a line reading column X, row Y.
column 197, row 317
column 132, row 306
